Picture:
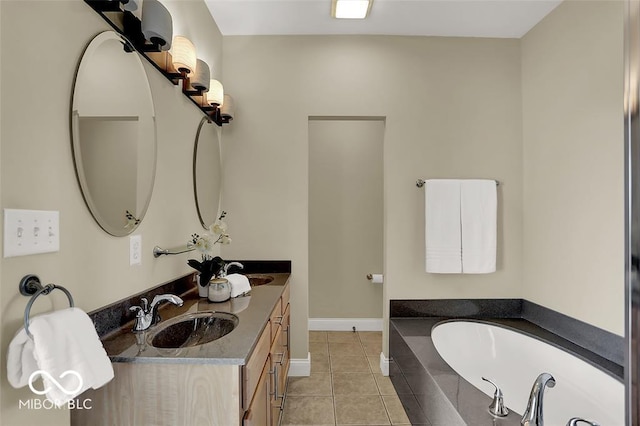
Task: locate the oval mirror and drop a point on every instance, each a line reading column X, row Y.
column 114, row 133
column 207, row 172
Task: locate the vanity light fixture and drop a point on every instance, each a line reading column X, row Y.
column 156, row 23
column 200, row 79
column 150, row 31
column 226, row 109
column 184, row 55
column 215, row 95
column 350, row 9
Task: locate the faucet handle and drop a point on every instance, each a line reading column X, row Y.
column 575, row 420
column 139, row 311
column 144, row 303
column 497, row 407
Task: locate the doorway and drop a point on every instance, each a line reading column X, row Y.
column 345, row 222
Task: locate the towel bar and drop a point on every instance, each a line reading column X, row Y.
column 30, row 286
column 420, row 183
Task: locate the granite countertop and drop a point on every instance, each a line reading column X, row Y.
column 253, row 311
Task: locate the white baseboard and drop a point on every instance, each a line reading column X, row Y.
column 345, row 324
column 300, row 367
column 384, row 364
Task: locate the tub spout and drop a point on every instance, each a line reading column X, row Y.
column 533, row 414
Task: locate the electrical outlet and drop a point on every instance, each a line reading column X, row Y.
column 31, row 232
column 135, row 250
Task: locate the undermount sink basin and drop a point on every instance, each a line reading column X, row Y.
column 259, row 279
column 192, row 329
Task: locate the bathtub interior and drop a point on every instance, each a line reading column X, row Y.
column 514, row 360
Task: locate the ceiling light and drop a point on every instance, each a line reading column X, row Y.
column 350, row 9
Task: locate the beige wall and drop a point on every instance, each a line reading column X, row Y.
column 345, row 217
column 452, row 109
column 37, row 170
column 574, row 163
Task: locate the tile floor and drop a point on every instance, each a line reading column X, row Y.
column 345, row 386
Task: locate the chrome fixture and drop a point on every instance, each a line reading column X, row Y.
column 632, row 209
column 225, row 269
column 158, row 251
column 575, row 420
column 147, row 316
column 533, row 414
column 497, row 407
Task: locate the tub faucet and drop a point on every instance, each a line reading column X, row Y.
column 575, row 420
column 147, row 316
column 533, row 414
column 497, row 407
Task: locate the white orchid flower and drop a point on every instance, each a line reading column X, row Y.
column 219, row 227
column 225, row 239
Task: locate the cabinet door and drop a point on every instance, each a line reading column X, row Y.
column 259, row 412
column 278, row 352
column 285, row 342
column 253, row 370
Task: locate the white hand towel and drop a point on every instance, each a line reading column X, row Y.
column 479, row 226
column 62, row 340
column 239, row 284
column 442, row 226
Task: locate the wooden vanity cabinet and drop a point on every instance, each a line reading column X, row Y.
column 168, row 394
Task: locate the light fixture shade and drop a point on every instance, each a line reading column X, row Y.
column 184, row 54
column 200, row 79
column 350, row 9
column 227, row 109
column 157, row 25
column 215, row 95
column 132, row 5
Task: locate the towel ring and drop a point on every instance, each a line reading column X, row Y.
column 30, row 286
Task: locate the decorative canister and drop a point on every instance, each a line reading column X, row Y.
column 219, row 290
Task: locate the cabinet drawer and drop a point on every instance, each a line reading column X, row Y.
column 275, row 320
column 284, row 300
column 254, row 366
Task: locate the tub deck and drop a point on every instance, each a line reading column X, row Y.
column 434, row 394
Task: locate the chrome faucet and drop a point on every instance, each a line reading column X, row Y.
column 497, row 407
column 225, row 269
column 533, row 414
column 575, row 420
column 147, row 316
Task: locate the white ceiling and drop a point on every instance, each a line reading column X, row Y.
column 453, row 18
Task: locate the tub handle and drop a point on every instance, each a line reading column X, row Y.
column 574, row 422
column 497, row 407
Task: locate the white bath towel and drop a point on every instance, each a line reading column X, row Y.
column 442, row 226
column 478, row 209
column 239, row 284
column 65, row 351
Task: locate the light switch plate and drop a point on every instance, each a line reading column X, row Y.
column 31, row 232
column 135, row 250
